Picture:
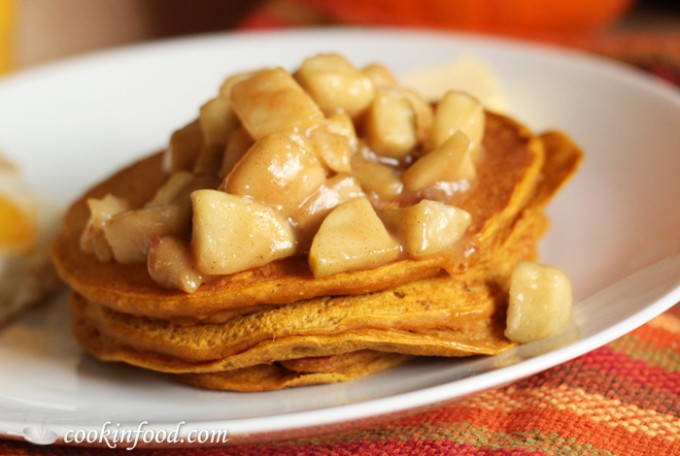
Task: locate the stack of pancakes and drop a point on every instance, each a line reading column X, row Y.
column 277, row 326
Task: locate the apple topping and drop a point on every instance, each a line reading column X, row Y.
column 390, row 125
column 379, row 180
column 450, row 162
column 380, row 75
column 171, row 264
column 335, row 84
column 297, row 163
column 92, row 239
column 185, row 146
column 458, row 111
column 334, row 142
column 428, row 227
column 237, row 146
column 276, row 171
column 351, row 237
column 129, row 233
column 335, row 191
column 232, row 233
column 270, row 101
column 540, row 302
column 217, row 121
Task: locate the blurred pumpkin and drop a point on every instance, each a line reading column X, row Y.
column 502, row 16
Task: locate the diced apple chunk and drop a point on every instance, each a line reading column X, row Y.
column 217, row 121
column 428, row 227
column 276, row 171
column 380, row 75
column 335, row 84
column 390, row 125
column 185, row 146
column 270, row 101
column 458, row 111
column 237, row 146
column 92, row 239
column 450, row 162
column 130, row 233
column 232, row 233
column 423, row 115
column 172, row 188
column 352, row 237
column 377, row 179
column 335, row 191
column 231, row 81
column 540, row 302
column 334, row 150
column 171, row 264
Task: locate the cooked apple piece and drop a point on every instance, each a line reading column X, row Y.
column 458, row 111
column 129, row 233
column 231, row 81
column 351, row 237
column 423, row 115
column 335, row 191
column 270, row 101
column 450, row 162
column 341, row 124
column 334, row 141
column 335, row 84
column 171, row 264
column 428, row 227
column 237, row 146
column 380, row 75
column 217, row 121
column 92, row 240
column 232, row 233
column 377, row 179
column 390, row 125
column 185, row 146
column 171, row 189
column 276, row 171
column 540, row 302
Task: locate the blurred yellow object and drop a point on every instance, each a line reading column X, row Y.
column 16, row 229
column 6, row 31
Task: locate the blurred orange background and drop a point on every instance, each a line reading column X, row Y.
column 37, row 31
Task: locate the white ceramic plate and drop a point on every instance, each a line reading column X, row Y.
column 70, row 124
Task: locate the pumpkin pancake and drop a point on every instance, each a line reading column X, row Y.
column 439, row 316
column 510, row 170
column 300, row 237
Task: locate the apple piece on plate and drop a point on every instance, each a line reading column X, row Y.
column 540, row 302
column 351, row 237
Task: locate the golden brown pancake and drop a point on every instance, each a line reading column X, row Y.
column 277, row 326
column 509, row 171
